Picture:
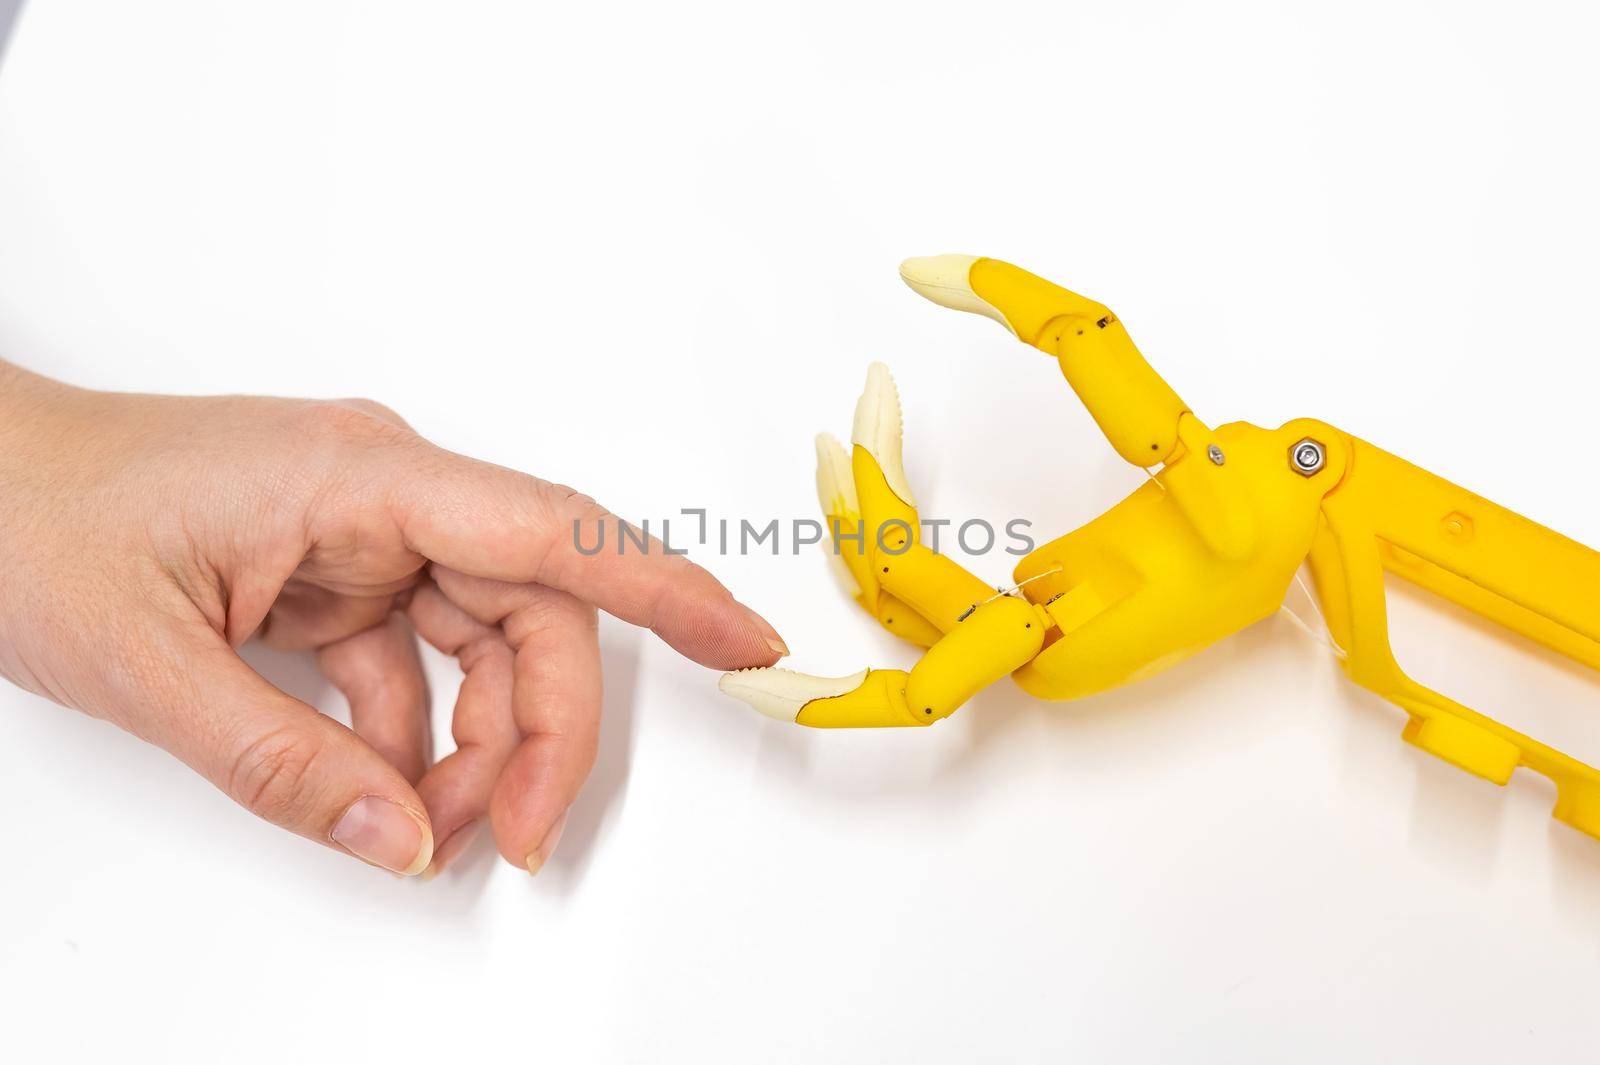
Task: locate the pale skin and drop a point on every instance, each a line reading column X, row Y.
column 146, row 538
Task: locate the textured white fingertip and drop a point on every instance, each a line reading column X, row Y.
column 945, row 279
column 878, row 429
column 836, row 485
column 782, row 693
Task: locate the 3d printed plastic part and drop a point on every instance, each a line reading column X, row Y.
column 1208, row 546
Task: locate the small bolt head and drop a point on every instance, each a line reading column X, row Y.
column 1307, row 457
column 1214, row 453
column 1458, row 527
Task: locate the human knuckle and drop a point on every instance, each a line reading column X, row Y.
column 380, row 411
column 361, row 421
column 489, row 650
column 535, row 619
column 372, row 408
column 579, row 745
column 567, row 493
column 272, row 776
column 569, row 500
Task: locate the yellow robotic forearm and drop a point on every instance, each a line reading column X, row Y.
column 1208, row 546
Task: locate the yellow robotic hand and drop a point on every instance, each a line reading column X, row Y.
column 1205, row 548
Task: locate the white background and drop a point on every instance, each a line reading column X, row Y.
column 648, row 249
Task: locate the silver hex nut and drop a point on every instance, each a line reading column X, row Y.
column 1307, row 457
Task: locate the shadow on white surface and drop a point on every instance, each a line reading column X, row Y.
column 10, row 10
column 1456, row 818
column 1150, row 723
column 1456, row 821
column 1464, row 828
column 1575, row 878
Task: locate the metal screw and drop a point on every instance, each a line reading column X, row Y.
column 1214, row 453
column 1307, row 457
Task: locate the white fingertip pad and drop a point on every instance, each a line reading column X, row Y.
column 836, row 485
column 877, row 428
column 944, row 279
column 782, row 693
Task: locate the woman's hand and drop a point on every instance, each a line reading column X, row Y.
column 146, row 538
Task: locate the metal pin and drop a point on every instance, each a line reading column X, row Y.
column 1001, row 593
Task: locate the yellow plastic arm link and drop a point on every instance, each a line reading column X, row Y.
column 974, row 636
column 1389, row 515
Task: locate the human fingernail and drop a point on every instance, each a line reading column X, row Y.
column 768, row 633
column 451, row 848
column 541, row 853
column 384, row 833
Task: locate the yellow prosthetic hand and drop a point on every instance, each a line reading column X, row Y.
column 1207, row 547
